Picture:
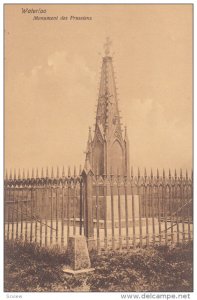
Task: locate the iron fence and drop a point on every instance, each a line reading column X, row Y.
column 112, row 211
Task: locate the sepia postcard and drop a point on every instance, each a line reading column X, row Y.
column 98, row 150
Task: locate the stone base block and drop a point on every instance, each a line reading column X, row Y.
column 67, row 270
column 78, row 254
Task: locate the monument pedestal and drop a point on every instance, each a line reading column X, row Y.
column 122, row 205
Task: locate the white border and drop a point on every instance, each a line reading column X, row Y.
column 67, row 295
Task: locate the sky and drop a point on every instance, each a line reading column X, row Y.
column 52, row 73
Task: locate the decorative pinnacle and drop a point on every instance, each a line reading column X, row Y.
column 107, row 46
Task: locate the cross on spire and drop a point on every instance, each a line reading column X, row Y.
column 107, row 45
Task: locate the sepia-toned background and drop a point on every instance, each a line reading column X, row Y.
column 52, row 78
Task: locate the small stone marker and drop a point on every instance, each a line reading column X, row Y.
column 78, row 256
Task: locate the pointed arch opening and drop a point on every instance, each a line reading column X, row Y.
column 98, row 158
column 116, row 157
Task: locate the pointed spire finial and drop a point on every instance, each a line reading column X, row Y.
column 181, row 175
column 52, row 176
column 14, row 174
column 37, row 175
column 69, row 172
column 42, row 173
column 27, row 173
column 157, row 174
column 186, row 175
column 164, row 174
column 151, row 173
column 138, row 172
column 10, row 174
column 145, row 174
column 63, row 172
column 57, row 174
column 19, row 174
column 75, row 172
column 47, row 172
column 23, row 176
column 169, row 174
column 32, row 173
column 107, row 46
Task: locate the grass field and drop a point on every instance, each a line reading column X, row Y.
column 31, row 268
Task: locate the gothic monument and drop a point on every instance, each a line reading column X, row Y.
column 108, row 150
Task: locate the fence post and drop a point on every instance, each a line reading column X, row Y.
column 87, row 176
